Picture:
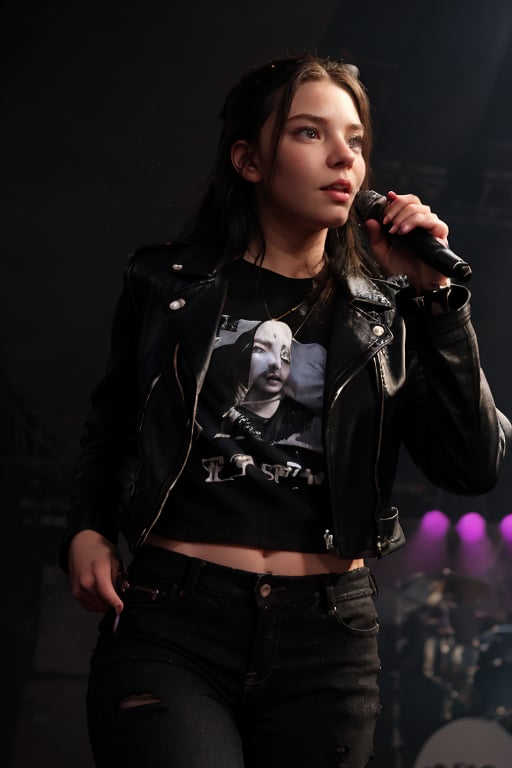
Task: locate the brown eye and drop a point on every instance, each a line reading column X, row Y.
column 309, row 132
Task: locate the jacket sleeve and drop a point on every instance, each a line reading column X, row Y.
column 108, row 453
column 451, row 425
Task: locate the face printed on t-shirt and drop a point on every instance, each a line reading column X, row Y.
column 270, row 361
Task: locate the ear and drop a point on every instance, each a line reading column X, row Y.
column 245, row 161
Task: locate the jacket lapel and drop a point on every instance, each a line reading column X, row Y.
column 194, row 298
column 362, row 317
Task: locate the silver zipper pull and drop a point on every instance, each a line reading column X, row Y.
column 329, row 540
column 153, row 592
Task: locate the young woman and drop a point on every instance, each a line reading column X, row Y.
column 244, row 631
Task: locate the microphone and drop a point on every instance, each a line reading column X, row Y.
column 371, row 205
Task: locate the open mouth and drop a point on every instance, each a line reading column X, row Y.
column 339, row 186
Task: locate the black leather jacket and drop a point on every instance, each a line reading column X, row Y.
column 383, row 386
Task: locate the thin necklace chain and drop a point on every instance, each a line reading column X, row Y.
column 288, row 311
column 306, row 317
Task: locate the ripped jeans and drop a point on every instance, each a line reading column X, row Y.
column 212, row 667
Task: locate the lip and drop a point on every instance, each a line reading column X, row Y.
column 339, row 190
column 340, row 185
column 274, row 381
column 337, row 195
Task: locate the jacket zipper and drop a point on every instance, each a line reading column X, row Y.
column 153, row 592
column 378, row 372
column 145, row 533
column 151, row 388
column 329, row 536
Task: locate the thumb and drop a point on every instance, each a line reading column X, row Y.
column 116, row 584
column 107, row 593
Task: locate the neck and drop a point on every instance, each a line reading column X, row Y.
column 263, row 408
column 297, row 255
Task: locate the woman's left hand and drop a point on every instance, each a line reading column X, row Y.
column 405, row 213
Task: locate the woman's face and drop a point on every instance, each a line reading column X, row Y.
column 270, row 360
column 319, row 165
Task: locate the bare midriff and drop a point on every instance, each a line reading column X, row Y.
column 259, row 560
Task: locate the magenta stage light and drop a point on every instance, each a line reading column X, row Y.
column 506, row 528
column 471, row 527
column 435, row 524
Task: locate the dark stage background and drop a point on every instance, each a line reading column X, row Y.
column 108, row 124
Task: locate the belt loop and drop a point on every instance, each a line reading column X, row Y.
column 330, row 594
column 191, row 577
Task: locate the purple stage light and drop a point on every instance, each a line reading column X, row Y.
column 471, row 527
column 435, row 524
column 506, row 528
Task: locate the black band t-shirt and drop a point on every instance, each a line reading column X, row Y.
column 256, row 474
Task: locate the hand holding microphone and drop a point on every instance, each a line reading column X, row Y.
column 395, row 214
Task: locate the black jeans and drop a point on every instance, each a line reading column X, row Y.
column 235, row 669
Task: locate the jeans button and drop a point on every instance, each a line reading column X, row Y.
column 265, row 590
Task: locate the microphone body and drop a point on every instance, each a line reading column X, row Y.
column 370, row 205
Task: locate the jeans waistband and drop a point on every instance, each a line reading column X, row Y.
column 191, row 574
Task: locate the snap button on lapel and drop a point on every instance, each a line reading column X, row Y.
column 178, row 304
column 177, row 267
column 378, row 330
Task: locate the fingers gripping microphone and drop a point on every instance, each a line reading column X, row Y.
column 371, row 205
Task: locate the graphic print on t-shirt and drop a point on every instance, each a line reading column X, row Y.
column 261, row 404
column 269, row 385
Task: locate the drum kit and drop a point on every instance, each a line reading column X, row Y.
column 446, row 650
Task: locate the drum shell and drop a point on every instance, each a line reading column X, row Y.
column 469, row 741
column 492, row 687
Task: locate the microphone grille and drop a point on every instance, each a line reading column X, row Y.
column 369, row 204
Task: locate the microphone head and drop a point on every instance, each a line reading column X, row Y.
column 370, row 205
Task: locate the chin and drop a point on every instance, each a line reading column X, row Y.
column 342, row 217
column 335, row 223
column 338, row 219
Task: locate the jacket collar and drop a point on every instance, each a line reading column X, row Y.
column 198, row 261
column 374, row 291
column 195, row 261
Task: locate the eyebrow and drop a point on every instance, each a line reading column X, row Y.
column 323, row 120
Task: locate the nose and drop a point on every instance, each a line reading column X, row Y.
column 341, row 154
column 274, row 361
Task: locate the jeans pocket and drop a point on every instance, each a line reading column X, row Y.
column 355, row 612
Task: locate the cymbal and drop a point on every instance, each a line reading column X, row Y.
column 434, row 588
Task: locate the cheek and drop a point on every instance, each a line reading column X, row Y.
column 257, row 367
column 293, row 165
column 360, row 168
